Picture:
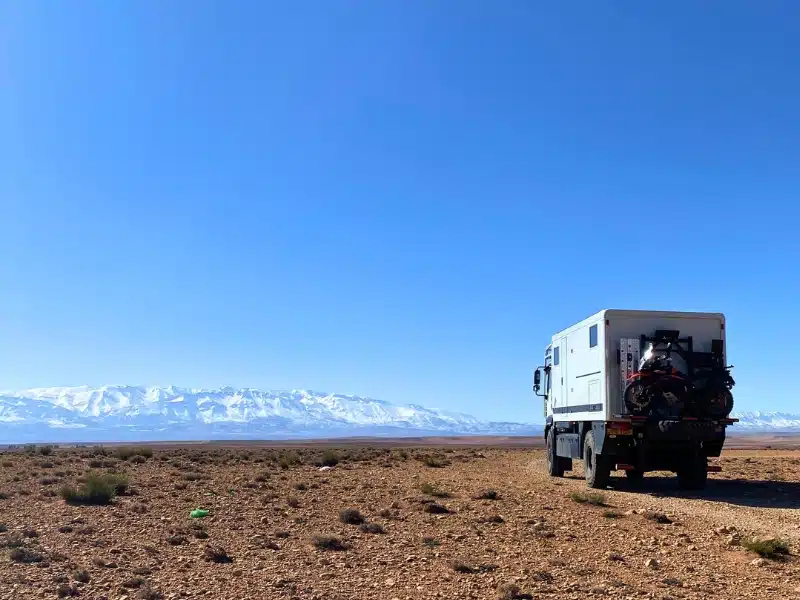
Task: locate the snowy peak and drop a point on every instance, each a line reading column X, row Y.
column 765, row 421
column 245, row 411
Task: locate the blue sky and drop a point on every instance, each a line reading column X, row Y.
column 401, row 199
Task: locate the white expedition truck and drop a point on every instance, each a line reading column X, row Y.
column 637, row 391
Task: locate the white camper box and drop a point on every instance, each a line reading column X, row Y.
column 588, row 364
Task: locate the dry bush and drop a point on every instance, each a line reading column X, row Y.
column 436, row 509
column 486, row 495
column 96, row 490
column 81, row 575
column 772, row 548
column 657, row 517
column 25, row 555
column 351, row 516
column 216, row 554
column 432, row 490
column 328, row 543
column 372, row 528
column 593, row 498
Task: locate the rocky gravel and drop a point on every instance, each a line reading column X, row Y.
column 389, row 523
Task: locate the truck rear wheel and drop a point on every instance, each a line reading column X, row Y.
column 694, row 475
column 597, row 467
column 555, row 465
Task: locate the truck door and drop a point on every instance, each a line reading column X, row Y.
column 559, row 378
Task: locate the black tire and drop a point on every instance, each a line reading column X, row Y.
column 555, row 465
column 694, row 475
column 597, row 467
column 636, row 476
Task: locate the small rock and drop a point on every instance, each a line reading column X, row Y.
column 389, row 582
column 692, row 547
column 614, row 556
column 758, row 562
column 323, row 469
column 732, row 540
column 651, row 563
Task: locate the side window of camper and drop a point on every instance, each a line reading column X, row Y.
column 592, row 336
column 556, row 356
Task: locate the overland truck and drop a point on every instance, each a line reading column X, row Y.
column 637, row 391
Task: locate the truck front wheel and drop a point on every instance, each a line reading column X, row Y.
column 597, row 467
column 555, row 466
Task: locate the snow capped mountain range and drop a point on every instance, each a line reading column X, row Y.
column 120, row 413
column 765, row 421
column 171, row 413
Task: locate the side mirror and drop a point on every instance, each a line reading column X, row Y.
column 537, row 380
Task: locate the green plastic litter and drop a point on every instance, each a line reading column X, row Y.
column 198, row 513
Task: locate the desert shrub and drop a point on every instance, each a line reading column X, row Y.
column 7, row 464
column 301, row 487
column 29, row 448
column 200, row 534
column 329, row 458
column 48, row 480
column 372, row 528
column 436, row 509
column 432, row 490
column 4, row 496
column 492, row 519
column 293, row 502
column 81, row 575
column 430, row 542
column 95, row 464
column 772, row 548
column 141, row 571
column 25, row 555
column 15, row 540
column 288, row 460
column 328, row 543
column 510, row 591
column 46, row 464
column 351, row 516
column 65, row 529
column 146, row 592
column 3, row 527
column 46, row 450
column 487, row 495
column 282, row 535
column 96, row 490
column 137, row 459
column 216, row 554
column 433, row 462
column 191, row 476
column 66, row 590
column 133, row 583
column 385, row 513
column 459, row 566
column 176, row 540
column 29, row 532
column 127, row 452
column 612, row 514
column 657, row 517
column 593, row 498
column 262, row 477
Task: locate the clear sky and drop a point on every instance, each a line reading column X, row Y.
column 399, row 199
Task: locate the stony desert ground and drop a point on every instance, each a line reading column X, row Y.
column 389, row 523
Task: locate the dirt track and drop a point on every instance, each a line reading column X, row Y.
column 533, row 536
